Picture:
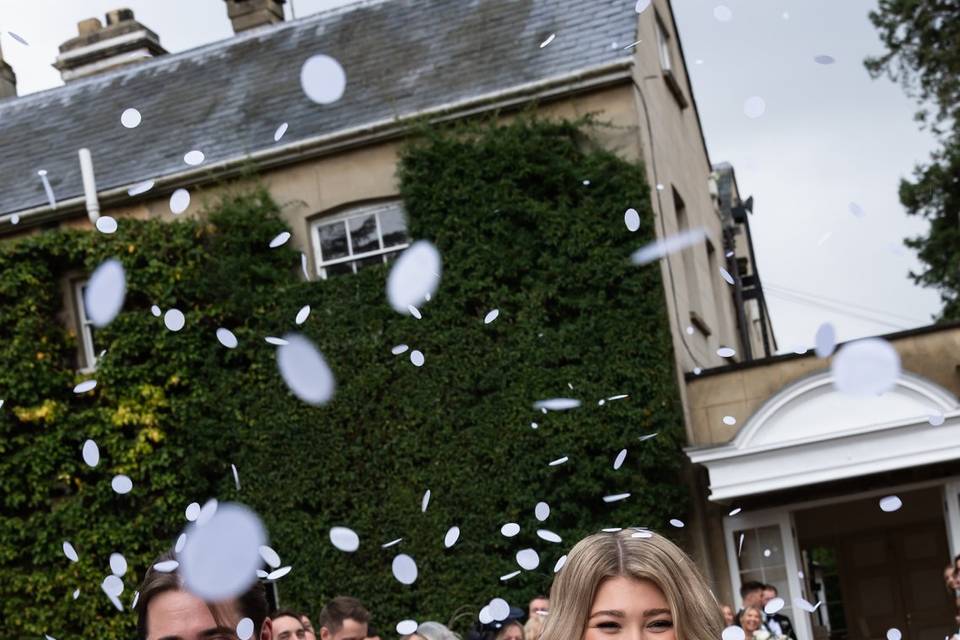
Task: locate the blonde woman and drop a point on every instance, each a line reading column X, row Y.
column 640, row 587
column 534, row 627
column 751, row 619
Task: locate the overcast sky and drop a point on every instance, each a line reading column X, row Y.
column 829, row 137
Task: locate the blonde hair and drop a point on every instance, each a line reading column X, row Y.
column 534, row 627
column 695, row 611
column 506, row 625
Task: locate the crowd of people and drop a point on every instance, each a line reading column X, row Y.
column 753, row 618
column 613, row 583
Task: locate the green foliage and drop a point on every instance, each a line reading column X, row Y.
column 518, row 229
column 921, row 39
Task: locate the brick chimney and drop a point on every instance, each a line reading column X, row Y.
column 99, row 48
column 250, row 14
column 8, row 79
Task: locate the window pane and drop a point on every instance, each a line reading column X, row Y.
column 393, row 227
column 333, row 241
column 367, row 262
column 363, row 234
column 339, row 269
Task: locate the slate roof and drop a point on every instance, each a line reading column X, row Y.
column 227, row 98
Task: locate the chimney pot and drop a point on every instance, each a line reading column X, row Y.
column 119, row 15
column 8, row 79
column 88, row 26
column 251, row 14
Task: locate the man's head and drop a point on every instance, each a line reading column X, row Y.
column 343, row 618
column 308, row 629
column 166, row 609
column 769, row 593
column 538, row 606
column 287, row 625
column 752, row 594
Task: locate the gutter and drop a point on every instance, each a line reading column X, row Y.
column 584, row 80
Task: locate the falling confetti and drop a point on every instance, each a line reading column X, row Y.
column 491, row 316
column 559, row 461
column 936, row 419
column 889, row 504
column 303, row 314
column 641, row 6
column 226, row 338
column 557, row 404
column 122, row 484
column 282, row 129
column 450, row 539
column 416, row 357
column 729, row 421
column 550, row 39
column 726, row 276
column 894, row 634
column 735, row 512
column 754, row 107
column 91, row 453
column 632, row 219
column 18, row 38
column 179, row 201
column 174, row 319
column 528, row 559
column 344, row 539
column 322, row 79
column 118, row 565
column 510, row 576
column 51, row 199
column 676, row 523
column 399, row 349
column 130, row 118
column 856, row 210
column 824, row 59
column 407, row 627
column 774, row 605
column 404, row 569
column 192, row 512
column 280, row 240
column 549, row 536
column 425, row 501
column 245, row 629
column 305, row 371
column 618, row 461
column 541, row 511
column 105, row 292
column 726, row 352
column 194, row 158
column 279, row 573
column 733, row 632
column 671, row 244
column 562, row 561
column 414, row 276
column 271, row 557
column 70, row 552
column 825, row 341
column 866, row 367
column 106, row 224
column 220, row 559
column 86, row 385
column 140, row 187
column 617, row 497
column 510, row 529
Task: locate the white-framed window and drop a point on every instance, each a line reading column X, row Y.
column 88, row 352
column 359, row 237
column 663, row 45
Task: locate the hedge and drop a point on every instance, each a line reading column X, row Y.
column 528, row 217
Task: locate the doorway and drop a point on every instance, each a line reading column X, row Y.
column 874, row 571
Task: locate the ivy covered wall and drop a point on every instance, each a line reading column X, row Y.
column 529, row 220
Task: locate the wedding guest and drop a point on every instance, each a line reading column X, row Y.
column 729, row 618
column 534, row 627
column 776, row 623
column 751, row 592
column 615, row 584
column 511, row 630
column 166, row 609
column 287, row 625
column 343, row 618
column 539, row 605
column 435, row 631
column 751, row 620
column 308, row 627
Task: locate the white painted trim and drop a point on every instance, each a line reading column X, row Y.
column 366, row 209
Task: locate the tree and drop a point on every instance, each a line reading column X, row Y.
column 922, row 54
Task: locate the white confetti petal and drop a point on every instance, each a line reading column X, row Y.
column 112, row 586
column 773, row 606
column 425, row 501
column 227, row 338
column 106, row 224
column 323, row 79
column 303, row 314
column 181, row 540
column 415, row 312
column 824, row 59
column 894, row 634
column 407, row 627
column 729, row 421
column 140, row 187
column 510, row 529
column 277, row 342
column 559, row 461
column 155, row 310
column 733, row 632
column 671, row 244
column 404, row 569
column 562, row 561
column 122, row 484
column 192, row 512
column 280, row 239
column 279, row 573
column 754, row 107
column 549, row 536
column 648, row 436
column 271, row 557
column 194, row 158
column 735, row 511
column 70, row 552
column 76, row 593
column 414, row 276
column 105, row 292
column 528, row 559
column 550, row 39
column 453, row 534
column 541, row 511
column 174, row 319
column 220, row 559
column 18, row 38
column 91, row 453
column 491, row 316
column 245, row 629
column 641, row 6
column 207, row 511
column 305, row 371
column 557, row 404
column 726, row 276
column 803, row 605
column 391, row 543
column 618, row 461
column 416, row 357
column 936, row 419
column 236, row 476
column 130, row 118
column 167, row 566
column 632, row 219
column 825, row 340
column 509, row 576
column 617, row 497
column 282, row 129
column 344, row 539
column 400, row 348
column 726, row 352
column 674, row 522
column 118, row 564
column 499, row 609
column 179, row 201
column 866, row 367
column 890, row 504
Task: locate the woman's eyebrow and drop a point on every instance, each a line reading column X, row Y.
column 608, row 612
column 649, row 613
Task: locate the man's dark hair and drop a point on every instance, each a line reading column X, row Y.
column 338, row 610
column 770, row 587
column 371, row 631
column 286, row 613
column 749, row 587
column 252, row 604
